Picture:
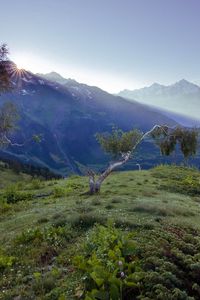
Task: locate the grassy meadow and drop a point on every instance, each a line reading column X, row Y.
column 138, row 239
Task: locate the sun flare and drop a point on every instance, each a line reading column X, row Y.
column 22, row 61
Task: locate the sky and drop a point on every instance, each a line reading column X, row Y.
column 113, row 44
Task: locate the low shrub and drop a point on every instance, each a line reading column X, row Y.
column 6, row 261
column 58, row 192
column 54, row 236
column 12, row 195
column 4, row 206
column 36, row 184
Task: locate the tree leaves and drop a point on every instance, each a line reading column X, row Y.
column 118, row 142
column 167, row 139
column 5, row 82
column 8, row 118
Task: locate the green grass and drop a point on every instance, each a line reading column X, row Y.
column 42, row 268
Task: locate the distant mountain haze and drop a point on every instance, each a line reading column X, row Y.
column 182, row 97
column 182, row 119
column 68, row 115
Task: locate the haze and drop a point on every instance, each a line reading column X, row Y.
column 112, row 44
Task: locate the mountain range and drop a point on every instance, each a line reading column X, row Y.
column 182, row 97
column 67, row 116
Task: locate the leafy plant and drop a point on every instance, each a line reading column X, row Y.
column 109, row 263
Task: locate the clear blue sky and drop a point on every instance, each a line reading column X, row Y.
column 115, row 44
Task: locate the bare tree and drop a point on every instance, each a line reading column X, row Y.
column 121, row 145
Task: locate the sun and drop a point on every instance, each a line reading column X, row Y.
column 22, row 61
column 30, row 62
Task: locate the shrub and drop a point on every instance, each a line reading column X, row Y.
column 58, row 192
column 4, row 206
column 6, row 261
column 53, row 236
column 12, row 195
column 43, row 283
column 36, row 184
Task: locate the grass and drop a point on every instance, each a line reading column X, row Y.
column 62, row 216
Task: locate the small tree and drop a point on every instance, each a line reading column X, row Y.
column 121, row 146
column 8, row 112
column 5, row 82
column 8, row 119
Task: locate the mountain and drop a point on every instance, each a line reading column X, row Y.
column 56, row 77
column 68, row 116
column 183, row 97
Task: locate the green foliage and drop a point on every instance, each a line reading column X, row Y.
column 167, row 139
column 8, row 119
column 189, row 185
column 44, row 235
column 179, row 179
column 54, row 236
column 118, row 141
column 4, row 206
column 5, row 83
column 123, row 266
column 6, row 261
column 58, row 192
column 12, row 195
column 36, row 184
column 86, row 220
column 43, row 283
column 37, row 138
column 108, row 269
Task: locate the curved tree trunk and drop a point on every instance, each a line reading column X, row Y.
column 95, row 185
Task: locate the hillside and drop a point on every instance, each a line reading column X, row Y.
column 68, row 116
column 182, row 97
column 159, row 209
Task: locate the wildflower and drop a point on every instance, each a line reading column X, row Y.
column 120, row 263
column 122, row 274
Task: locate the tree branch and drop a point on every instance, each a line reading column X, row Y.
column 96, row 185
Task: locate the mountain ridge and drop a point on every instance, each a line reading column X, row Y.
column 68, row 116
column 182, row 97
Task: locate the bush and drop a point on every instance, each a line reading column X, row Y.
column 36, row 184
column 4, row 206
column 6, row 261
column 12, row 195
column 58, row 192
column 53, row 236
column 43, row 284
